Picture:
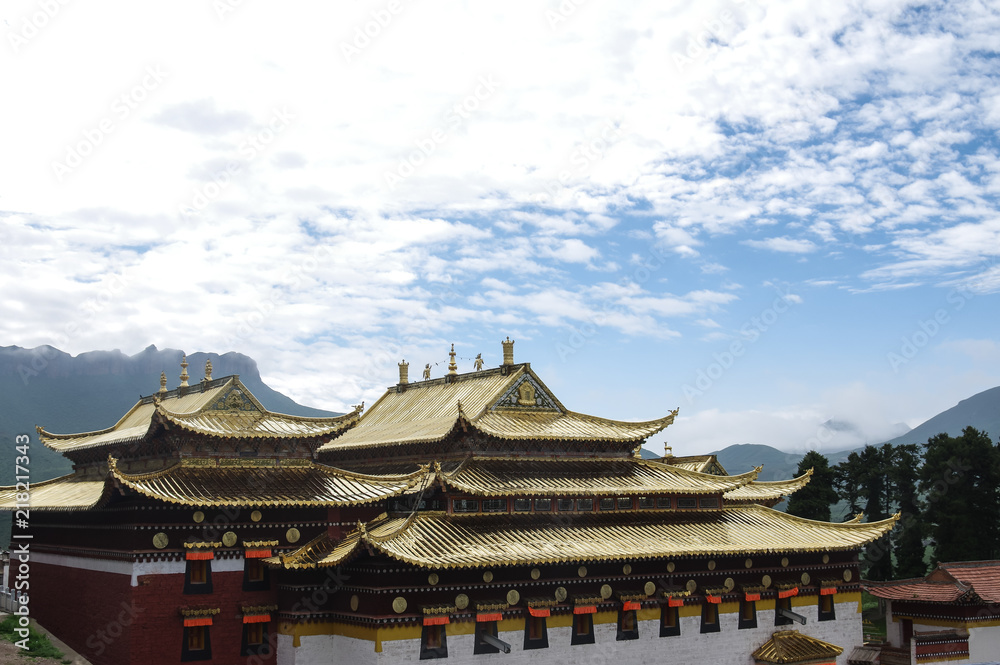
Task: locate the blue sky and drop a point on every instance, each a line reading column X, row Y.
column 767, row 214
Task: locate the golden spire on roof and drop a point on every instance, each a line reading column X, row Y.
column 404, row 372
column 208, row 370
column 184, row 370
column 508, row 351
column 452, row 367
column 163, row 382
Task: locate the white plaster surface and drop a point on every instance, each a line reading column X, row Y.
column 730, row 646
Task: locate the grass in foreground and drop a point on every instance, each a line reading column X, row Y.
column 38, row 644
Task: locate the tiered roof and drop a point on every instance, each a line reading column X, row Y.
column 966, row 582
column 791, row 646
column 491, row 402
column 438, row 540
column 221, row 407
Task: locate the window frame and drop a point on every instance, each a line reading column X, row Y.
column 480, row 646
column 744, row 621
column 535, row 642
column 627, row 633
column 828, row 614
column 583, row 629
column 189, row 654
column 711, row 618
column 672, row 613
column 782, row 603
column 261, row 648
column 252, row 584
column 430, row 652
column 194, row 588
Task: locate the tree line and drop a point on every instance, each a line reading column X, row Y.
column 947, row 492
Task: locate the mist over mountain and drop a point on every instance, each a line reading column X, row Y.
column 92, row 391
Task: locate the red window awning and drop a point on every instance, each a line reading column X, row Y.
column 715, row 600
column 828, row 591
column 585, row 609
column 440, row 620
column 752, row 596
column 199, row 556
column 197, row 621
column 256, row 618
column 630, row 605
column 491, row 616
column 539, row 611
column 788, row 593
column 258, row 554
column 675, row 602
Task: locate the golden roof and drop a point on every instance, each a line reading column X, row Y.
column 700, row 463
column 70, row 492
column 592, row 477
column 773, row 490
column 297, row 485
column 791, row 646
column 223, row 407
column 492, row 402
column 438, row 540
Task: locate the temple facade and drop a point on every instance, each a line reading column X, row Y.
column 466, row 518
column 952, row 614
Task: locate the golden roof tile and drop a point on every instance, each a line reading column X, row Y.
column 428, row 411
column 222, row 407
column 701, row 463
column 771, row 490
column 791, row 646
column 593, row 477
column 311, row 485
column 70, row 492
column 437, row 540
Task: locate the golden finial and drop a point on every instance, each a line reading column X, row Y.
column 667, row 450
column 508, row 351
column 452, row 367
column 208, row 370
column 404, row 372
column 163, row 382
column 184, row 371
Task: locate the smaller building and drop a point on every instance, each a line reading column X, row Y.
column 951, row 615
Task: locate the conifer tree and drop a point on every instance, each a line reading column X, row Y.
column 813, row 501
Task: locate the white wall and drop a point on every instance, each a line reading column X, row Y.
column 730, row 646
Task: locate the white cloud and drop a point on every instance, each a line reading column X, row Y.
column 784, row 244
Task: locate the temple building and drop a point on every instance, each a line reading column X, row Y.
column 466, row 518
column 951, row 615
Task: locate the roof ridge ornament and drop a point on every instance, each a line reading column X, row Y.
column 508, row 351
column 404, row 372
column 163, row 383
column 208, row 371
column 452, row 367
column 184, row 371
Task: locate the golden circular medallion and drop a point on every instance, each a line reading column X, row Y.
column 670, row 567
column 711, row 564
column 765, row 581
column 354, row 603
column 650, row 588
column 255, row 516
column 784, row 562
column 229, row 539
column 627, row 569
column 748, row 563
column 198, row 517
column 399, row 605
column 293, row 535
column 826, row 558
column 488, row 576
column 461, row 601
column 561, row 594
column 730, row 584
column 582, row 571
column 535, row 573
column 691, row 586
column 848, row 575
column 513, row 597
column 433, row 579
column 606, row 591
column 160, row 540
column 805, row 578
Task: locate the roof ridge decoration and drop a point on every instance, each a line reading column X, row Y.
column 528, row 392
